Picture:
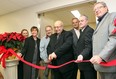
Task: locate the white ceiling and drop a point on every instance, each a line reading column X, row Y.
column 7, row 6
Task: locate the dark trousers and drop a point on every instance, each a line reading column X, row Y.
column 88, row 74
column 75, row 70
column 63, row 75
column 20, row 70
column 27, row 72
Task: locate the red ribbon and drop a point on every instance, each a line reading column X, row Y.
column 43, row 67
column 10, row 51
column 114, row 31
column 115, row 22
column 110, row 63
column 28, row 63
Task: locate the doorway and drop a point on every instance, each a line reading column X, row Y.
column 64, row 14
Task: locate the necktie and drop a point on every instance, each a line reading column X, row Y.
column 57, row 36
column 80, row 32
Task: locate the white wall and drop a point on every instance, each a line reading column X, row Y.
column 17, row 21
column 45, row 20
column 27, row 17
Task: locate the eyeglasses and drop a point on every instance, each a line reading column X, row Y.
column 98, row 8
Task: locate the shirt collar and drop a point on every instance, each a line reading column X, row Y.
column 100, row 18
column 76, row 29
column 83, row 28
column 47, row 37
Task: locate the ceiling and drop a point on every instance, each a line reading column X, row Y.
column 65, row 15
column 7, row 6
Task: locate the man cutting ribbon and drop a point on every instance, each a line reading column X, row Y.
column 60, row 51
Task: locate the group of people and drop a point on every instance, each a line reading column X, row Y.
column 80, row 43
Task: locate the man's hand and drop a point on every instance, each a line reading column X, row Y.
column 52, row 56
column 96, row 59
column 79, row 58
column 19, row 54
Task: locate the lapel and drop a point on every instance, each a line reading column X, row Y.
column 60, row 37
column 84, row 31
column 100, row 24
column 75, row 38
column 55, row 39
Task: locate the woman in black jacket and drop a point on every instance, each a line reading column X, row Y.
column 31, row 53
column 25, row 33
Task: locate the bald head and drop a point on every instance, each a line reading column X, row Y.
column 58, row 23
column 58, row 26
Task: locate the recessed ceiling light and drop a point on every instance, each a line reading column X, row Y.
column 76, row 13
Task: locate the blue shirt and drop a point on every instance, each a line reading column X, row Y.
column 43, row 48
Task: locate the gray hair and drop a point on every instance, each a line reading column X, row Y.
column 48, row 26
column 86, row 17
column 102, row 3
column 60, row 22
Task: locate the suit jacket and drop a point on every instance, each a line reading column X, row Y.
column 62, row 48
column 75, row 40
column 104, row 42
column 84, row 47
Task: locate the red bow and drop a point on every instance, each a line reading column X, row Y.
column 4, row 54
column 114, row 22
column 114, row 31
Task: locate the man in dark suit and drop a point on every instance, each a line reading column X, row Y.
column 76, row 34
column 60, row 51
column 84, row 49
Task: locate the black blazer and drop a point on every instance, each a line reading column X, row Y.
column 62, row 48
column 75, row 40
column 84, row 47
column 29, row 47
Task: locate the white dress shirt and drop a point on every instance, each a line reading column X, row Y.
column 77, row 32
